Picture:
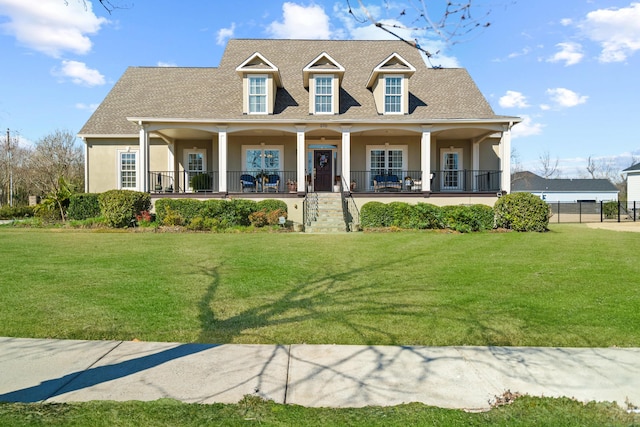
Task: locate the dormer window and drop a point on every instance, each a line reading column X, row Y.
column 389, row 82
column 260, row 82
column 323, row 94
column 393, row 95
column 322, row 77
column 257, row 94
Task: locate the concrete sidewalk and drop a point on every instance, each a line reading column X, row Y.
column 34, row 370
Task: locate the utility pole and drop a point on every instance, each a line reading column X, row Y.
column 10, row 169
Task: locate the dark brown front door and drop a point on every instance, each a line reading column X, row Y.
column 322, row 165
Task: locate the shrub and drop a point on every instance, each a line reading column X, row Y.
column 83, row 206
column 375, row 214
column 237, row 212
column 426, row 216
column 16, row 212
column 400, row 214
column 521, row 212
column 610, row 210
column 120, row 207
column 187, row 209
column 458, row 218
column 271, row 205
column 259, row 218
column 201, row 181
column 483, row 217
column 171, row 217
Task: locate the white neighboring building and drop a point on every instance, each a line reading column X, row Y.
column 633, row 183
column 568, row 190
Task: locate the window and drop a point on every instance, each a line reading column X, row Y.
column 263, row 159
column 393, row 95
column 324, row 94
column 257, row 95
column 383, row 160
column 127, row 171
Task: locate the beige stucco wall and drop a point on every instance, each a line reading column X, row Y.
column 102, row 160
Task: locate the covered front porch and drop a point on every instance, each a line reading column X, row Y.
column 292, row 160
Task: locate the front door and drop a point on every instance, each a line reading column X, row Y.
column 322, row 164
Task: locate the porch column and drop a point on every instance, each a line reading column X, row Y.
column 171, row 158
column 143, row 173
column 222, row 159
column 300, row 160
column 346, row 156
column 86, row 165
column 476, row 162
column 505, row 158
column 425, row 158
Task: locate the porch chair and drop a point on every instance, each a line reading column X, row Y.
column 384, row 182
column 272, row 182
column 247, row 181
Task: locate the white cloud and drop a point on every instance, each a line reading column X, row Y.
column 570, row 53
column 513, row 99
column 526, row 128
column 225, row 34
column 565, row 98
column 566, row 22
column 79, row 74
column 50, row 26
column 300, row 22
column 166, row 64
column 616, row 30
column 88, row 107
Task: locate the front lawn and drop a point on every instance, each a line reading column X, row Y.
column 572, row 286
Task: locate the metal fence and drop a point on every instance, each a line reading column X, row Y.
column 594, row 211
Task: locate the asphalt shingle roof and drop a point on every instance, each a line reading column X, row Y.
column 528, row 181
column 216, row 93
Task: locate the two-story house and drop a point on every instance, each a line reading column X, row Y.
column 289, row 118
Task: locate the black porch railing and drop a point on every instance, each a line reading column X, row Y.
column 370, row 181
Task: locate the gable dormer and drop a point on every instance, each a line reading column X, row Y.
column 260, row 81
column 323, row 77
column 389, row 82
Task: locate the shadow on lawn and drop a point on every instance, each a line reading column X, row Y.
column 326, row 301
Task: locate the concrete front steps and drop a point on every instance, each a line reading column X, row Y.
column 330, row 217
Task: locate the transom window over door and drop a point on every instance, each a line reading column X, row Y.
column 127, row 171
column 393, row 95
column 324, row 94
column 257, row 94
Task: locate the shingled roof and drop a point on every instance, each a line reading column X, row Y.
column 530, row 182
column 215, row 94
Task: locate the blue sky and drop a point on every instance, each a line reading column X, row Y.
column 568, row 68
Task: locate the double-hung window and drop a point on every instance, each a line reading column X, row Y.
column 127, row 171
column 393, row 95
column 324, row 94
column 257, row 95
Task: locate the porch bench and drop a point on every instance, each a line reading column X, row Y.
column 383, row 182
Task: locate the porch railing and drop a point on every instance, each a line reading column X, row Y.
column 369, row 181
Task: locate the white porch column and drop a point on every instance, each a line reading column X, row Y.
column 505, row 158
column 346, row 156
column 425, row 158
column 143, row 173
column 222, row 159
column 86, row 165
column 300, row 160
column 475, row 163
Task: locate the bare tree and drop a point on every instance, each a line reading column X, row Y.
column 108, row 5
column 453, row 22
column 548, row 168
column 56, row 166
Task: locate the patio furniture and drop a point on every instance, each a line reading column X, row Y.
column 386, row 182
column 272, row 182
column 247, row 181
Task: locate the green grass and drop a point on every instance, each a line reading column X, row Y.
column 525, row 411
column 572, row 286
